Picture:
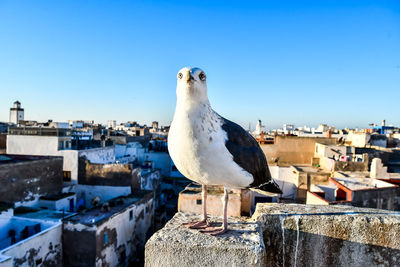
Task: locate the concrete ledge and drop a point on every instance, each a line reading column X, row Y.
column 175, row 245
column 311, row 235
column 284, row 235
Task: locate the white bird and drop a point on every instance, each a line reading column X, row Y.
column 212, row 150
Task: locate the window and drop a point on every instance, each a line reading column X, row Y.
column 105, row 239
column 67, row 176
column 130, row 215
column 198, row 201
column 61, row 145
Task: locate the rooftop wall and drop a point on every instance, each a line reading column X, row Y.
column 117, row 239
column 41, row 249
column 25, row 181
column 294, row 149
column 107, row 174
column 308, row 235
column 284, row 235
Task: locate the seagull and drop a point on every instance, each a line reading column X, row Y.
column 211, row 150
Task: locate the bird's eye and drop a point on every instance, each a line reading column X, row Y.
column 202, row 76
column 180, row 75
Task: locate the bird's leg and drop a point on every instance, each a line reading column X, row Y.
column 204, row 222
column 220, row 230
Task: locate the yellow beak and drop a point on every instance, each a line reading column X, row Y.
column 188, row 75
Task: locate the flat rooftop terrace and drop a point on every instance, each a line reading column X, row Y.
column 41, row 214
column 11, row 158
column 96, row 215
column 40, row 131
column 309, row 169
column 362, row 183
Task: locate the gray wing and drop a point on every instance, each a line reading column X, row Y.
column 247, row 154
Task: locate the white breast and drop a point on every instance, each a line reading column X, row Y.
column 196, row 143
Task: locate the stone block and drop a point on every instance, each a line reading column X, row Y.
column 311, row 235
column 239, row 202
column 175, row 245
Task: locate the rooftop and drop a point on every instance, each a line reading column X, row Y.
column 97, row 215
column 57, row 196
column 41, row 214
column 11, row 158
column 40, row 131
column 283, row 235
column 362, row 183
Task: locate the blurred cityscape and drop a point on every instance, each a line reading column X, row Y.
column 114, row 185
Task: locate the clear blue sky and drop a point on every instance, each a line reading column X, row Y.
column 300, row 62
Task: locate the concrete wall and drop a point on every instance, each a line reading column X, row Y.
column 41, row 249
column 60, row 204
column 107, row 174
column 34, row 145
column 284, row 235
column 351, row 166
column 314, row 199
column 335, row 165
column 129, row 235
column 25, row 181
column 125, row 239
column 380, row 198
column 358, row 139
column 286, row 180
column 322, row 150
column 88, row 192
column 161, row 161
column 293, row 149
column 99, row 155
column 309, row 235
column 70, row 163
column 76, row 252
column 44, row 146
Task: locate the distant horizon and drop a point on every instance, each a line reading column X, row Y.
column 253, row 123
column 296, row 62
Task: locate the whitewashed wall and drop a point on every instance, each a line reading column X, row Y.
column 45, row 245
column 130, row 233
column 32, row 145
column 286, row 180
column 60, row 204
column 99, row 155
column 88, row 192
column 161, row 161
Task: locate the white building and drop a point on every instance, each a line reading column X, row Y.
column 16, row 113
column 111, row 124
column 259, row 128
column 30, row 241
column 57, row 142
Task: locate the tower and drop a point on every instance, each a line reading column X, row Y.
column 16, row 113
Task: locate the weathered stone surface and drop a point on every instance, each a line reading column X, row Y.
column 308, row 235
column 284, row 235
column 25, row 178
column 175, row 245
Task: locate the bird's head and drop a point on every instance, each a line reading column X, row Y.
column 191, row 85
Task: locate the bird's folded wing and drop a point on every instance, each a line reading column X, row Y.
column 247, row 154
